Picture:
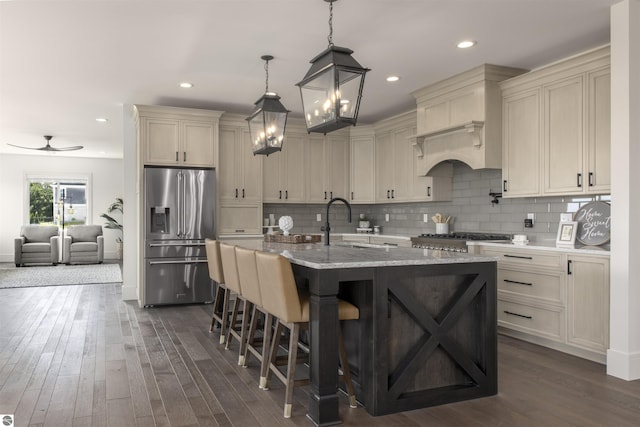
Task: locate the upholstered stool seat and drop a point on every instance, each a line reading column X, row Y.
column 281, row 298
column 221, row 301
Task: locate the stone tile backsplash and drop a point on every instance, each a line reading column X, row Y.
column 470, row 209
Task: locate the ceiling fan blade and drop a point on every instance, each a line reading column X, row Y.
column 27, row 148
column 73, row 148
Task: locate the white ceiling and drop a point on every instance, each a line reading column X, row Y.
column 65, row 63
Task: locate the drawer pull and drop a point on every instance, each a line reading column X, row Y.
column 518, row 256
column 516, row 282
column 516, row 314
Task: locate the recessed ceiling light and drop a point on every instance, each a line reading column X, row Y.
column 466, row 44
column 186, row 85
column 102, row 120
column 393, row 78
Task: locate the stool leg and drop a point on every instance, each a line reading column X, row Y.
column 273, row 353
column 266, row 342
column 224, row 316
column 346, row 372
column 243, row 332
column 253, row 324
column 216, row 302
column 291, row 369
column 232, row 322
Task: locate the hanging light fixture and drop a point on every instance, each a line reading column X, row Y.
column 268, row 121
column 332, row 88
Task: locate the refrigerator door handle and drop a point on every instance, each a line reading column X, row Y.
column 183, row 204
column 193, row 261
column 178, row 213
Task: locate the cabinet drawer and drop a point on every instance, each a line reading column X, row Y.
column 538, row 285
column 547, row 323
column 522, row 257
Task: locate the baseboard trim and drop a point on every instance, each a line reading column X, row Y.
column 623, row 365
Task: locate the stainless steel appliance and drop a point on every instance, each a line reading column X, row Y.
column 455, row 242
column 178, row 216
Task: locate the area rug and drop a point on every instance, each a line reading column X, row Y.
column 24, row 277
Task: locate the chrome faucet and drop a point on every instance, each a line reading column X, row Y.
column 327, row 228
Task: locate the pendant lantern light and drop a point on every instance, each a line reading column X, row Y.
column 332, row 88
column 268, row 121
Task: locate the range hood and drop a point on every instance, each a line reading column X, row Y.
column 460, row 118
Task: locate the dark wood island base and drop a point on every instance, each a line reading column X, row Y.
column 426, row 335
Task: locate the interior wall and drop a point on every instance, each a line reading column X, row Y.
column 106, row 181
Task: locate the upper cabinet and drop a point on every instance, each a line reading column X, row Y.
column 240, row 172
column 362, row 170
column 327, row 167
column 284, row 171
column 460, row 118
column 178, row 136
column 556, row 128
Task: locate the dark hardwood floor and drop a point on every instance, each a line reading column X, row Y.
column 79, row 356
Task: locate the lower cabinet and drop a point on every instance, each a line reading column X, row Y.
column 554, row 298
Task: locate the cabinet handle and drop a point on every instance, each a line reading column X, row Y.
column 504, row 186
column 280, row 195
column 239, row 231
column 516, row 314
column 331, row 194
column 517, row 283
column 428, row 191
column 236, row 193
column 518, row 256
column 590, row 179
column 388, row 192
column 569, row 269
column 352, row 195
column 184, row 156
column 325, row 195
column 393, row 194
column 579, row 180
column 243, row 193
column 286, row 194
column 176, row 156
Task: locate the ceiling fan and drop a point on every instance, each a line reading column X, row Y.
column 48, row 147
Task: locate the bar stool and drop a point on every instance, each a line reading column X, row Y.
column 281, row 298
column 248, row 274
column 222, row 295
column 230, row 268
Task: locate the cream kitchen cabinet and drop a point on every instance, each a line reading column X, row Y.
column 284, row 174
column 239, row 172
column 327, row 167
column 178, row 136
column 395, row 161
column 556, row 126
column 588, row 302
column 362, row 171
column 553, row 297
column 239, row 219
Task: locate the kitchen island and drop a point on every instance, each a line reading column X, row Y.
column 427, row 329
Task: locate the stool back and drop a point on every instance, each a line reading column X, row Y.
column 278, row 287
column 214, row 261
column 230, row 267
column 248, row 274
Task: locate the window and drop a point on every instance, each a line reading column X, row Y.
column 60, row 201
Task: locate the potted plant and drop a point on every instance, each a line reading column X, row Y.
column 113, row 223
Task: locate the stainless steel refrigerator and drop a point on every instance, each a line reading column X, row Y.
column 178, row 216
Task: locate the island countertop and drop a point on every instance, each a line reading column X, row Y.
column 355, row 255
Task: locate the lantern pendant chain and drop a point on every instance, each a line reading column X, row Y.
column 266, row 69
column 330, row 38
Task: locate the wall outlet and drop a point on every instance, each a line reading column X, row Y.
column 318, row 217
column 532, row 217
column 386, row 217
column 566, row 217
column 425, row 217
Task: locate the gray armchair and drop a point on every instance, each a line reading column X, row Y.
column 83, row 244
column 37, row 244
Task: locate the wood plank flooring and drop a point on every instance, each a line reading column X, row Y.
column 80, row 356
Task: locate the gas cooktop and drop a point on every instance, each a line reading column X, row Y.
column 463, row 235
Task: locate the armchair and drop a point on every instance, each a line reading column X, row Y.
column 83, row 244
column 37, row 244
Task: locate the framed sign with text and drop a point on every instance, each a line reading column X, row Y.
column 594, row 223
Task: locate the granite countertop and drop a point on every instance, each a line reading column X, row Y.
column 340, row 255
column 548, row 246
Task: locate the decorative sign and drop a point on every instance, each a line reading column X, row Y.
column 594, row 223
